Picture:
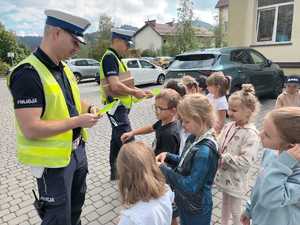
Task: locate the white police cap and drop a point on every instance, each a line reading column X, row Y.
column 122, row 34
column 75, row 25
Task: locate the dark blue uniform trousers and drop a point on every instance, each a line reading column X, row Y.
column 63, row 190
column 120, row 124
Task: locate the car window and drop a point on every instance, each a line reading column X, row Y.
column 81, row 63
column 93, row 63
column 146, row 65
column 193, row 61
column 241, row 56
column 257, row 58
column 132, row 64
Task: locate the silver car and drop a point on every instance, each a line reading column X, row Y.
column 84, row 68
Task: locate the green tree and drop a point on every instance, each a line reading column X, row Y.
column 218, row 36
column 170, row 47
column 149, row 53
column 8, row 43
column 99, row 41
column 105, row 26
column 185, row 39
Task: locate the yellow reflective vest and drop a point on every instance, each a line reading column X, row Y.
column 125, row 100
column 55, row 151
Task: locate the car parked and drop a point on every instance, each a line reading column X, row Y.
column 143, row 71
column 163, row 61
column 84, row 68
column 149, row 59
column 243, row 65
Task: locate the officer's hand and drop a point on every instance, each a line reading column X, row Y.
column 161, row 158
column 295, row 151
column 87, row 120
column 149, row 94
column 245, row 219
column 94, row 110
column 126, row 136
column 139, row 93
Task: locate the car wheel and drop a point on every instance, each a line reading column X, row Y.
column 278, row 85
column 161, row 79
column 78, row 77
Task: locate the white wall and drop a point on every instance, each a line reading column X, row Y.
column 148, row 39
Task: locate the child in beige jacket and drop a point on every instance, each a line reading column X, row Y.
column 238, row 145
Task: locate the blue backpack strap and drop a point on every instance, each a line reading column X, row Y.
column 209, row 143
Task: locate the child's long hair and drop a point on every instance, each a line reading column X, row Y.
column 198, row 108
column 220, row 80
column 140, row 177
column 287, row 122
column 248, row 99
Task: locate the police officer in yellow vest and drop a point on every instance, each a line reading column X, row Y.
column 51, row 120
column 111, row 66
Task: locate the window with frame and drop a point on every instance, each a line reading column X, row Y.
column 81, row 63
column 257, row 58
column 240, row 56
column 274, row 20
column 146, row 65
column 133, row 64
column 93, row 63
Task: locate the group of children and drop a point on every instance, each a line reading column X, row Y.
column 193, row 150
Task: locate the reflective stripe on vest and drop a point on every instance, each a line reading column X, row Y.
column 125, row 100
column 55, row 151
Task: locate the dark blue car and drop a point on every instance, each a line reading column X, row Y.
column 244, row 65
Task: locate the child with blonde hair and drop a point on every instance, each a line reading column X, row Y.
column 275, row 197
column 190, row 84
column 195, row 169
column 238, row 145
column 218, row 85
column 145, row 195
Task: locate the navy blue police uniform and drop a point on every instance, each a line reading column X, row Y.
column 119, row 120
column 61, row 190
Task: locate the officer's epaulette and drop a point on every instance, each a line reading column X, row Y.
column 27, row 66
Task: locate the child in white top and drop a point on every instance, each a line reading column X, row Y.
column 218, row 85
column 145, row 195
column 238, row 145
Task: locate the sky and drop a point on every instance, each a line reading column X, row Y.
column 26, row 17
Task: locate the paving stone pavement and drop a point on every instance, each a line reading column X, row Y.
column 102, row 205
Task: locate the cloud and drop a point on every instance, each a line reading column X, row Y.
column 208, row 15
column 27, row 16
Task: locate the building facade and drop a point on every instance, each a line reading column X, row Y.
column 270, row 26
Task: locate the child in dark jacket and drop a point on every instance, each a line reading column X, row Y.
column 196, row 168
column 167, row 137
